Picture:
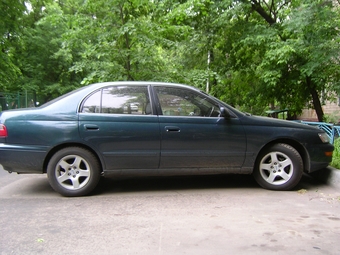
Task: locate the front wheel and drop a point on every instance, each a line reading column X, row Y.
column 73, row 171
column 279, row 167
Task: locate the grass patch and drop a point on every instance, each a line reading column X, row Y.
column 336, row 154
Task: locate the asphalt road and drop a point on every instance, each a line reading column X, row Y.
column 179, row 215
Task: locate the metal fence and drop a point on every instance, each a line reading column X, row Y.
column 16, row 100
column 332, row 131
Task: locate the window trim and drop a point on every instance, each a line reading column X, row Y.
column 197, row 92
column 148, row 96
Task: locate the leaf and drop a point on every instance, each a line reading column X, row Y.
column 302, row 191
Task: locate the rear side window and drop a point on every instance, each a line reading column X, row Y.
column 92, row 103
column 119, row 100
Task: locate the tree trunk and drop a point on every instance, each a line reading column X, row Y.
column 316, row 99
column 127, row 46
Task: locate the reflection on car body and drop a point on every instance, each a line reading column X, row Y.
column 152, row 128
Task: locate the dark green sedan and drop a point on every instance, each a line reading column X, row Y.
column 154, row 129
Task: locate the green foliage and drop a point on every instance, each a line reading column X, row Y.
column 45, row 71
column 336, row 154
column 285, row 47
column 332, row 118
column 261, row 54
column 10, row 27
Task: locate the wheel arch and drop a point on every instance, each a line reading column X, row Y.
column 296, row 145
column 65, row 145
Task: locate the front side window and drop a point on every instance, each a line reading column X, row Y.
column 119, row 100
column 184, row 102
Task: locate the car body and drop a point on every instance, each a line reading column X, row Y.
column 153, row 129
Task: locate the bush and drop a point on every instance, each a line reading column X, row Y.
column 336, row 154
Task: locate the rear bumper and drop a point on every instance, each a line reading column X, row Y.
column 22, row 159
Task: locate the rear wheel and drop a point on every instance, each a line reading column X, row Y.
column 73, row 171
column 279, row 167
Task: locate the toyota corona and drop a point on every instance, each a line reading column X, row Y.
column 119, row 129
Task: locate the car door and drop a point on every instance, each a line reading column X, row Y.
column 117, row 121
column 192, row 133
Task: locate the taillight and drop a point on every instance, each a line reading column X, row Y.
column 3, row 131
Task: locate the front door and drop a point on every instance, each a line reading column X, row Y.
column 193, row 133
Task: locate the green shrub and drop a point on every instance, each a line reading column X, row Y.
column 336, row 154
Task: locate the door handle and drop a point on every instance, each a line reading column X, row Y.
column 91, row 127
column 172, row 129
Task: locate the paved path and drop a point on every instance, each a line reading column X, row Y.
column 186, row 215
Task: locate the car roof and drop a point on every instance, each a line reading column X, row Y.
column 81, row 92
column 138, row 83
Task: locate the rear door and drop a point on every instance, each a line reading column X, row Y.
column 193, row 134
column 117, row 121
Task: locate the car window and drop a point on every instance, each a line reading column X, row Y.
column 119, row 100
column 184, row 102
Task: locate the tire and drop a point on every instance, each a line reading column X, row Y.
column 73, row 171
column 280, row 167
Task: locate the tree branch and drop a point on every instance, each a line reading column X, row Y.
column 256, row 6
column 283, row 4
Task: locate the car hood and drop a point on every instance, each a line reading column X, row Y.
column 267, row 121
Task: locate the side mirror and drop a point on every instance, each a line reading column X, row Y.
column 224, row 113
